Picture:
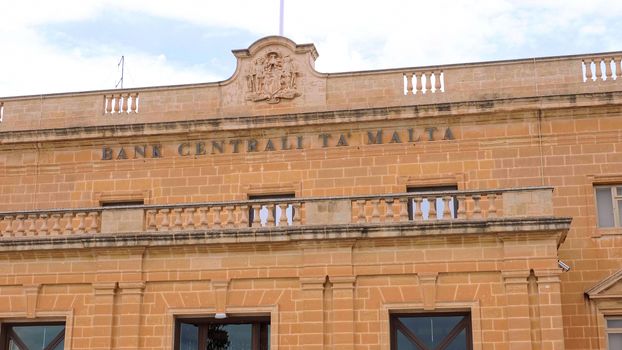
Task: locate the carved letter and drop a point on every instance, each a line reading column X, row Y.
column 448, row 134
column 269, row 146
column 325, row 138
column 299, row 142
column 235, row 144
column 252, row 145
column 183, row 149
column 156, row 151
column 106, row 153
column 395, row 138
column 140, row 150
column 285, row 144
column 122, row 154
column 200, row 148
column 431, row 131
column 371, row 138
column 342, row 141
column 219, row 145
column 411, row 136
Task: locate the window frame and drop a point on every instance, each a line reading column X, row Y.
column 258, row 332
column 466, row 324
column 7, row 333
column 608, row 330
column 615, row 197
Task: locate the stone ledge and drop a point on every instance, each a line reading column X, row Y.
column 506, row 226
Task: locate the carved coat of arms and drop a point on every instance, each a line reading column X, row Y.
column 272, row 78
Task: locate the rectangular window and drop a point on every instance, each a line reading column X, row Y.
column 614, row 333
column 424, row 206
column 33, row 336
column 122, row 203
column 244, row 333
column 442, row 331
column 609, row 205
column 276, row 210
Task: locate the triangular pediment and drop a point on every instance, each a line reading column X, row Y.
column 610, row 287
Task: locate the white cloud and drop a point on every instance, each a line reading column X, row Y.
column 350, row 35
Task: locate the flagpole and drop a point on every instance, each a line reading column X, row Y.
column 281, row 17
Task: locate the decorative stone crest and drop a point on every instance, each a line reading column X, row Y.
column 272, row 77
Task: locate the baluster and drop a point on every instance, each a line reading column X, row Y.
column 244, row 214
column 432, row 213
column 190, row 218
column 599, row 70
column 417, row 210
column 32, row 228
column 492, row 208
column 388, row 216
column 618, row 64
column 446, row 209
column 8, row 230
column 608, row 70
column 283, row 217
column 216, row 211
column 461, row 207
column 230, row 223
column 126, row 103
column 477, row 210
column 588, row 69
column 296, row 214
column 134, row 107
column 177, row 223
column 164, row 225
column 94, row 222
column 271, row 211
column 437, row 81
column 55, row 224
column 69, row 224
column 428, row 83
column 403, row 209
column 81, row 227
column 361, row 209
column 409, row 84
column 20, row 225
column 43, row 230
column 375, row 212
column 108, row 102
column 117, row 104
column 151, row 220
column 256, row 208
column 419, row 82
column 203, row 218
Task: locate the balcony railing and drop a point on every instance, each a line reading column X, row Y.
column 387, row 209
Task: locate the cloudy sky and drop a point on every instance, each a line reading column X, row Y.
column 74, row 45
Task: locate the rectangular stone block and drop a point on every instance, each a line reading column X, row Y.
column 329, row 212
column 122, row 220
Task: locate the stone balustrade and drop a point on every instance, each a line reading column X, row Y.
column 604, row 67
column 121, row 103
column 398, row 208
column 58, row 222
column 424, row 82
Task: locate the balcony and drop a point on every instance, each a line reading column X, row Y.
column 271, row 220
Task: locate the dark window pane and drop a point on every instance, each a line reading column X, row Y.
column 459, row 342
column 188, row 337
column 60, row 345
column 615, row 341
column 403, row 343
column 37, row 337
column 431, row 330
column 614, row 323
column 605, row 207
column 240, row 336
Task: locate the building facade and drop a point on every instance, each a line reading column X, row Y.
column 469, row 206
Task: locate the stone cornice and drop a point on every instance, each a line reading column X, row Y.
column 534, row 226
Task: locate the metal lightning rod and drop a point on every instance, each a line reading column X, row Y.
column 122, row 64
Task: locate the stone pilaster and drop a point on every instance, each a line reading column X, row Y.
column 312, row 320
column 129, row 315
column 343, row 312
column 103, row 315
column 549, row 300
column 517, row 309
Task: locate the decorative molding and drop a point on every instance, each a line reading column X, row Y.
column 272, row 78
